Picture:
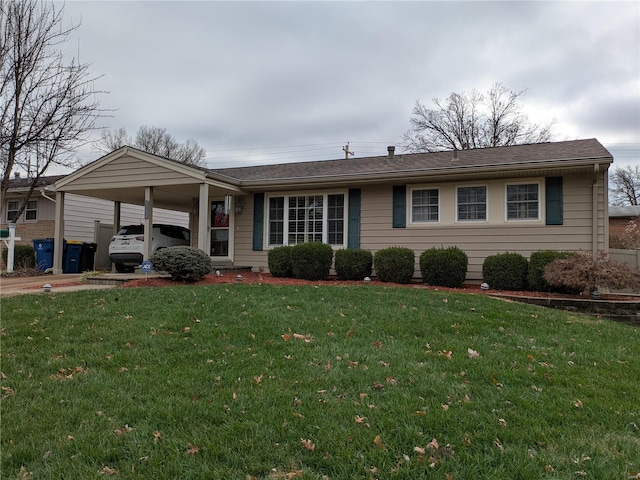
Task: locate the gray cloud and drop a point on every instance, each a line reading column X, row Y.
column 243, row 75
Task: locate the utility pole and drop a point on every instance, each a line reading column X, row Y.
column 346, row 151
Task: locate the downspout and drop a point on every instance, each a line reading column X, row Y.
column 45, row 195
column 594, row 201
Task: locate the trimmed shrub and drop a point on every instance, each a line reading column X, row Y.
column 24, row 257
column 353, row 264
column 311, row 261
column 537, row 262
column 184, row 263
column 446, row 267
column 505, row 271
column 395, row 264
column 279, row 262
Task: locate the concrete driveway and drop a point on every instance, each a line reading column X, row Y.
column 66, row 282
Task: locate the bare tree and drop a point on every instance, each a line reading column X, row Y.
column 625, row 185
column 154, row 140
column 472, row 120
column 47, row 106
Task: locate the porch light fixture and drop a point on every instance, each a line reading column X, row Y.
column 239, row 205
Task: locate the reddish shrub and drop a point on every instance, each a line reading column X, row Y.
column 581, row 271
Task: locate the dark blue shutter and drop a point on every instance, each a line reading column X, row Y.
column 399, row 206
column 353, row 238
column 258, row 221
column 553, row 195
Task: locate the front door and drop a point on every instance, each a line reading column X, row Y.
column 219, row 229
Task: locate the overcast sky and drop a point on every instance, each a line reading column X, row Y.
column 243, row 78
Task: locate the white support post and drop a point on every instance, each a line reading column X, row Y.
column 11, row 248
column 204, row 213
column 58, row 240
column 148, row 222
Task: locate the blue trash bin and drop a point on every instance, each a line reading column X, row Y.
column 44, row 253
column 71, row 257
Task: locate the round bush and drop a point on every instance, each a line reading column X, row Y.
column 505, row 271
column 353, row 264
column 394, row 264
column 537, row 262
column 311, row 261
column 445, row 267
column 182, row 263
column 279, row 262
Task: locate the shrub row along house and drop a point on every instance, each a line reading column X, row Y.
column 525, row 198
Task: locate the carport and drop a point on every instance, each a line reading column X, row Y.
column 129, row 175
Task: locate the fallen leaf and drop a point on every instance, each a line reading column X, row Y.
column 419, row 450
column 156, row 436
column 192, row 450
column 549, row 469
column 502, row 422
column 498, row 444
column 577, row 403
column 472, row 353
column 581, row 473
column 107, row 471
column 360, row 419
column 445, row 354
column 257, row 380
column 378, row 442
column 391, row 380
column 308, row 444
column 445, row 407
column 377, row 344
column 286, row 337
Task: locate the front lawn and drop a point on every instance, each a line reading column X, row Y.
column 245, row 381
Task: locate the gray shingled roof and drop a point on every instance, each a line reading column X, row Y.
column 24, row 183
column 530, row 154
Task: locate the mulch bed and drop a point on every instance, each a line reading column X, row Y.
column 265, row 278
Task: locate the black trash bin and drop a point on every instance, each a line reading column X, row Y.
column 44, row 253
column 87, row 256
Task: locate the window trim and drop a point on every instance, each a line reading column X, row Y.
column 27, row 210
column 9, row 210
column 439, row 205
column 486, row 203
column 325, row 215
column 506, row 203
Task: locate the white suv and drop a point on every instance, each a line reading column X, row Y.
column 126, row 247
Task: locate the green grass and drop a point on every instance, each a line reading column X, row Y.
column 227, row 381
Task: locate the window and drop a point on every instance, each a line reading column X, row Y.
column 472, row 203
column 309, row 218
column 522, row 202
column 12, row 209
column 31, row 212
column 425, row 205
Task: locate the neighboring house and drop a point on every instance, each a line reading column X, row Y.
column 486, row 201
column 85, row 217
column 619, row 218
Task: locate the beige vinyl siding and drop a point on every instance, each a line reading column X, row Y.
column 481, row 239
column 137, row 173
column 478, row 239
column 244, row 255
